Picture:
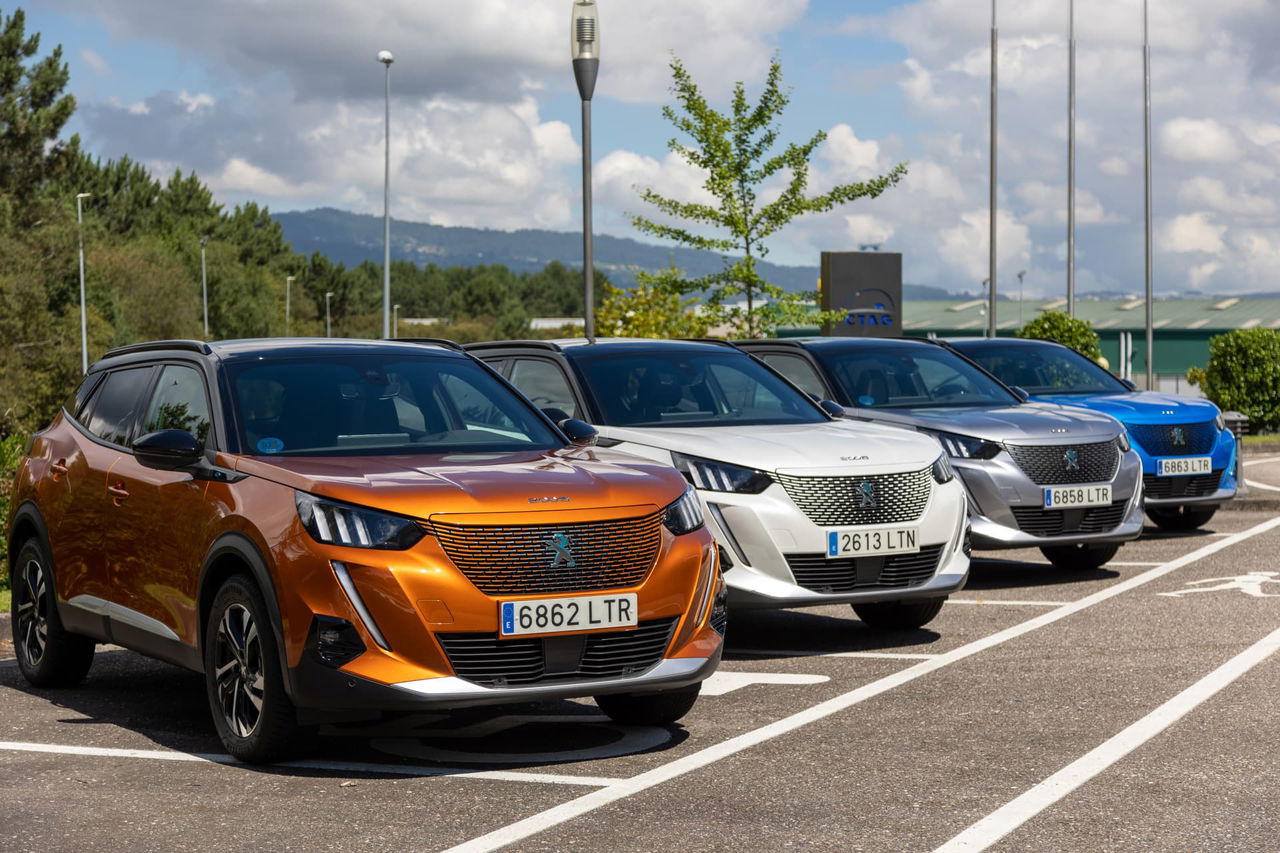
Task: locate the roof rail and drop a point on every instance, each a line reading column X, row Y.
column 721, row 341
column 153, row 346
column 550, row 345
column 791, row 342
column 444, row 342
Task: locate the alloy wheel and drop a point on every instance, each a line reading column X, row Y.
column 238, row 672
column 32, row 616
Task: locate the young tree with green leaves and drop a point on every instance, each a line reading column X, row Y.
column 738, row 152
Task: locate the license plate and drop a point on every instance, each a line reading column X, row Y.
column 578, row 613
column 1188, row 465
column 869, row 543
column 1069, row 497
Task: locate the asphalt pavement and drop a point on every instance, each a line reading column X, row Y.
column 1128, row 708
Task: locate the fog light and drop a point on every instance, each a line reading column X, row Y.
column 334, row 641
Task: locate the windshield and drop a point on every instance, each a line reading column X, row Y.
column 372, row 405
column 1045, row 369
column 915, row 376
column 695, row 388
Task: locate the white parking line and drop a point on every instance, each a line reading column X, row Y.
column 339, row 766
column 1010, row 603
column 1255, row 484
column 604, row 796
column 1262, row 461
column 1014, row 814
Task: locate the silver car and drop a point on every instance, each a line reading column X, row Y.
column 1060, row 479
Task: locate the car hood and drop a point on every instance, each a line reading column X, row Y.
column 1140, row 407
column 1025, row 424
column 835, row 447
column 579, row 478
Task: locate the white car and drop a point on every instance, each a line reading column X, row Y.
column 809, row 509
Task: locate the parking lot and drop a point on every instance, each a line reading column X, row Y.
column 1129, row 708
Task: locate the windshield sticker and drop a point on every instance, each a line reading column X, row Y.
column 866, row 400
column 270, row 445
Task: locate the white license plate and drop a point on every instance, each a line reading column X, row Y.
column 1070, row 497
column 1180, row 467
column 578, row 613
column 870, row 543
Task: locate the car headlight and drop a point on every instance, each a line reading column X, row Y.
column 336, row 523
column 942, row 470
column 964, row 447
column 685, row 515
column 721, row 476
column 1122, row 442
column 1220, row 422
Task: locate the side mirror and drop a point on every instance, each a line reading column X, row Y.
column 557, row 415
column 580, row 432
column 1020, row 392
column 831, row 408
column 1129, row 383
column 167, row 450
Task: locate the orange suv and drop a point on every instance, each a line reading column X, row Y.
column 331, row 530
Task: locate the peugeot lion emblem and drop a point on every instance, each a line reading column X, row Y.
column 1179, row 436
column 1071, row 461
column 867, row 495
column 558, row 545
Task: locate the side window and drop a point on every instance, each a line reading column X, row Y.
column 798, row 371
column 179, row 402
column 545, row 384
column 476, row 409
column 75, row 403
column 743, row 393
column 117, row 404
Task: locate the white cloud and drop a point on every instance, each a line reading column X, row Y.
column 1203, row 191
column 1192, row 232
column 95, row 61
column 1114, row 167
column 966, row 246
column 1198, row 140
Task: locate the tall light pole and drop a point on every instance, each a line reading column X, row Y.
column 328, row 320
column 584, row 45
column 385, row 57
column 204, row 286
column 84, row 317
column 991, row 261
column 1146, row 144
column 1071, row 159
column 288, row 292
column 395, row 320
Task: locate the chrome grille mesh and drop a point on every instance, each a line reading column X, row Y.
column 1047, row 465
column 519, row 560
column 818, row 573
column 837, row 501
column 1162, row 439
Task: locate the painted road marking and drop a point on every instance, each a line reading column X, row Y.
column 1262, row 461
column 339, row 766
column 609, row 794
column 1014, row 814
column 1008, row 603
column 723, row 682
column 1255, row 484
column 1250, row 584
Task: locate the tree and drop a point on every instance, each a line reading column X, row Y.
column 1068, row 331
column 1243, row 375
column 737, row 153
column 653, row 308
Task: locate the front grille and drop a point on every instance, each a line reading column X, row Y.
column 1162, row 440
column 492, row 662
column 1195, row 486
column 838, row 501
column 1059, row 522
column 1047, row 465
column 818, row 573
column 523, row 560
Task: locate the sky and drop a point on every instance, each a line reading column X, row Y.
column 281, row 102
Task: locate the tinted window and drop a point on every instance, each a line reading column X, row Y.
column 371, row 404
column 693, row 388
column 116, row 405
column 179, row 402
column 545, row 384
column 1045, row 369
column 76, row 401
column 910, row 376
column 799, row 371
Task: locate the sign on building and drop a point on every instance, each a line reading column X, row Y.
column 867, row 287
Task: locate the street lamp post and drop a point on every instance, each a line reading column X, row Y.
column 395, row 320
column 1071, row 160
column 328, row 317
column 204, row 285
column 84, row 318
column 991, row 261
column 288, row 292
column 584, row 44
column 1148, row 290
column 385, row 57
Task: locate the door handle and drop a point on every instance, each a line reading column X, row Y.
column 59, row 468
column 118, row 493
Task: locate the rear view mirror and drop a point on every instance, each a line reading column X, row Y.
column 580, row 432
column 832, row 408
column 167, row 450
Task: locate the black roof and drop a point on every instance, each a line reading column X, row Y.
column 836, row 343
column 966, row 343
column 581, row 346
column 249, row 348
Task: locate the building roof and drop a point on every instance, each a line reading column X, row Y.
column 1208, row 315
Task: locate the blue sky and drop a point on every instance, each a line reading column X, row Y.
column 281, row 103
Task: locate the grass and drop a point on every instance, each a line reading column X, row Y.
column 4, row 601
column 1262, row 439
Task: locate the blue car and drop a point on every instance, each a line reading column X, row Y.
column 1188, row 454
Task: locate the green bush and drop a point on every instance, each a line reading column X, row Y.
column 10, row 452
column 1068, row 331
column 1243, row 374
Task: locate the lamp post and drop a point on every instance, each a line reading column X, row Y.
column 288, row 289
column 1148, row 291
column 385, row 57
column 84, row 319
column 1071, row 159
column 204, row 285
column 991, row 261
column 584, row 46
column 328, row 320
column 395, row 320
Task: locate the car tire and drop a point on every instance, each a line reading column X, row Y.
column 251, row 711
column 1181, row 518
column 899, row 615
column 48, row 654
column 649, row 709
column 1079, row 558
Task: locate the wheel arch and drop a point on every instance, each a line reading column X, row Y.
column 28, row 523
